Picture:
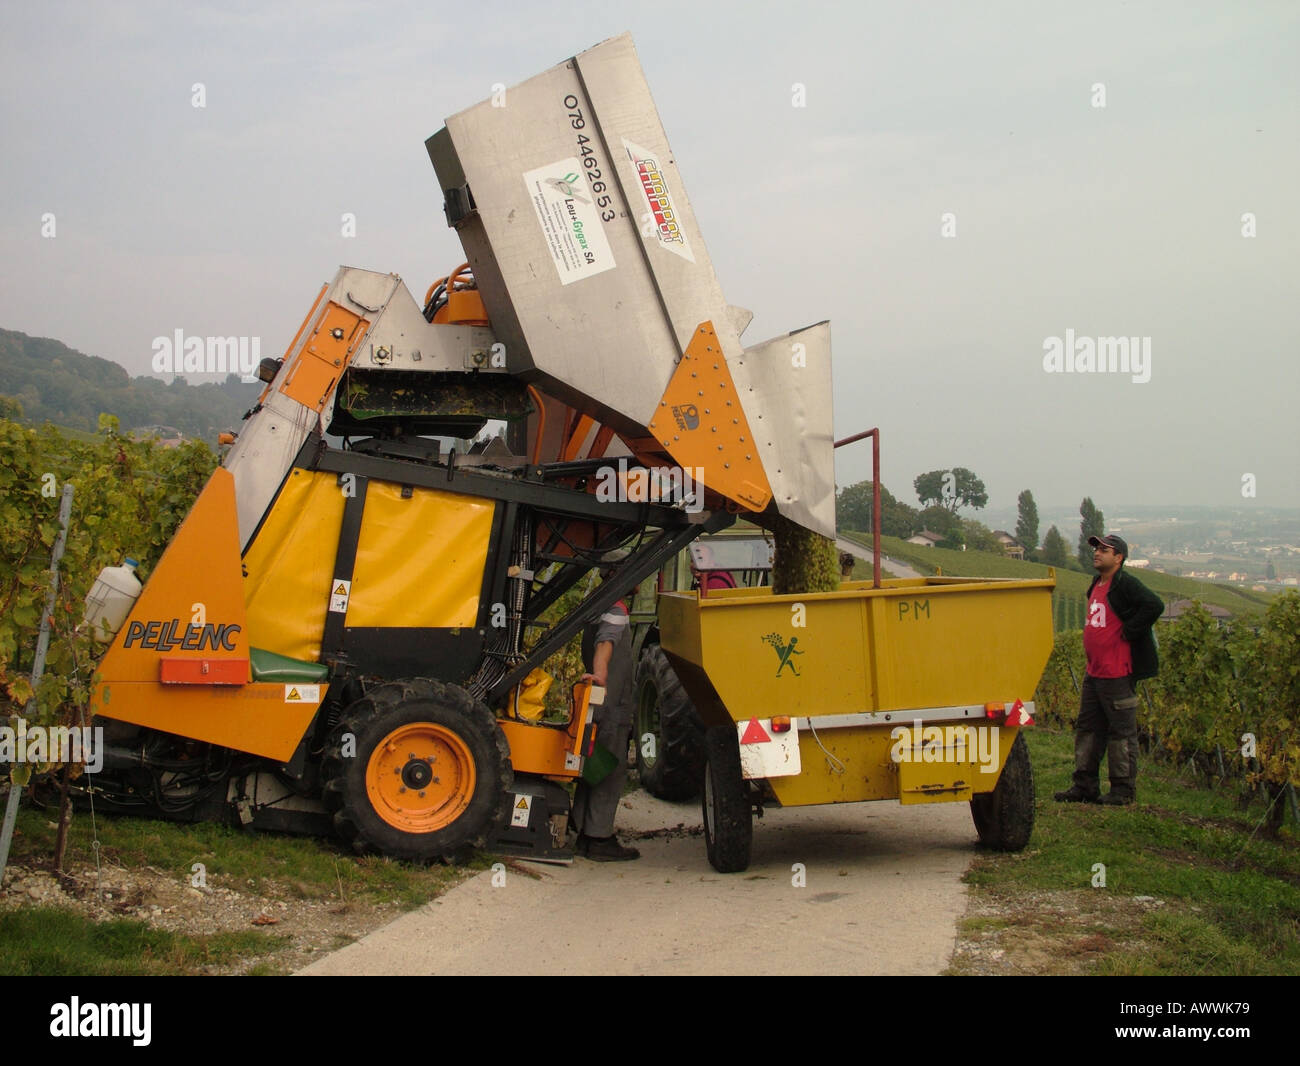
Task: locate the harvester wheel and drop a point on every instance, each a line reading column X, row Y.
column 728, row 812
column 417, row 770
column 671, row 763
column 1004, row 818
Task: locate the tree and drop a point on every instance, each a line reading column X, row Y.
column 1093, row 525
column 940, row 520
column 1055, row 551
column 980, row 538
column 853, row 511
column 953, row 488
column 1027, row 523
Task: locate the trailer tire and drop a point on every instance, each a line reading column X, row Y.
column 728, row 812
column 1004, row 818
column 665, row 712
column 405, row 739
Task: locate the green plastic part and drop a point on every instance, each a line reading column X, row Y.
column 268, row 666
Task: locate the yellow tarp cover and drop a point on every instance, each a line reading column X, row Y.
column 419, row 562
column 290, row 565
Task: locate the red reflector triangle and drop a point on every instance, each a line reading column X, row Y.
column 1019, row 716
column 755, row 734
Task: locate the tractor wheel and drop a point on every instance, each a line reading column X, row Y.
column 1004, row 818
column 728, row 813
column 671, row 765
column 417, row 770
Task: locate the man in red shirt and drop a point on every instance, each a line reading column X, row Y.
column 1121, row 650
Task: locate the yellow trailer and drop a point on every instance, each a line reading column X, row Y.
column 915, row 691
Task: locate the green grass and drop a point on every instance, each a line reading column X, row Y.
column 1231, row 898
column 1070, row 584
column 49, row 942
column 40, row 940
column 257, row 862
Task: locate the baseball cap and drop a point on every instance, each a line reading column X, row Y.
column 1119, row 544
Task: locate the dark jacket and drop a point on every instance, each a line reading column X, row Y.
column 1137, row 608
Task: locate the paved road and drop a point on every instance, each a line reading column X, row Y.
column 882, row 896
column 894, row 566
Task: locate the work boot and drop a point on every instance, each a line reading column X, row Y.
column 1074, row 794
column 1117, row 799
column 605, row 849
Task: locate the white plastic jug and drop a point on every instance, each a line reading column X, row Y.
column 111, row 598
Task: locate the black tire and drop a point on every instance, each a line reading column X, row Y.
column 1004, row 818
column 728, row 812
column 676, row 769
column 447, row 733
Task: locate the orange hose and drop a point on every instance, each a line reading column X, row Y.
column 451, row 278
column 429, row 295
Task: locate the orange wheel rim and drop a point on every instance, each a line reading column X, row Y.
column 420, row 777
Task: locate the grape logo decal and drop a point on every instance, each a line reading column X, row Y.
column 571, row 224
column 565, row 185
column 687, row 416
column 784, row 652
column 663, row 216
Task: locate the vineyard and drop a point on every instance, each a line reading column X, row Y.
column 128, row 498
column 1226, row 703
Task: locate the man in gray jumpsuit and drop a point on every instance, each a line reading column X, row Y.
column 607, row 657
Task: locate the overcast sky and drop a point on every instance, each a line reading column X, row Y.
column 1122, row 220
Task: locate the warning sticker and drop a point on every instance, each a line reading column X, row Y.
column 570, row 220
column 302, row 693
column 571, row 761
column 340, row 590
column 523, row 804
column 654, row 188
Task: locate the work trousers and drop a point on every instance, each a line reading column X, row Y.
column 1107, row 726
column 594, row 806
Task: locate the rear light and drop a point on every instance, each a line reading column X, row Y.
column 781, row 723
column 996, row 712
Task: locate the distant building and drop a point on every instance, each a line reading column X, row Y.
column 1141, row 564
column 1178, row 608
column 1010, row 545
column 925, row 539
column 166, row 436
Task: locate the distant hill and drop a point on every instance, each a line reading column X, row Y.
column 55, row 383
